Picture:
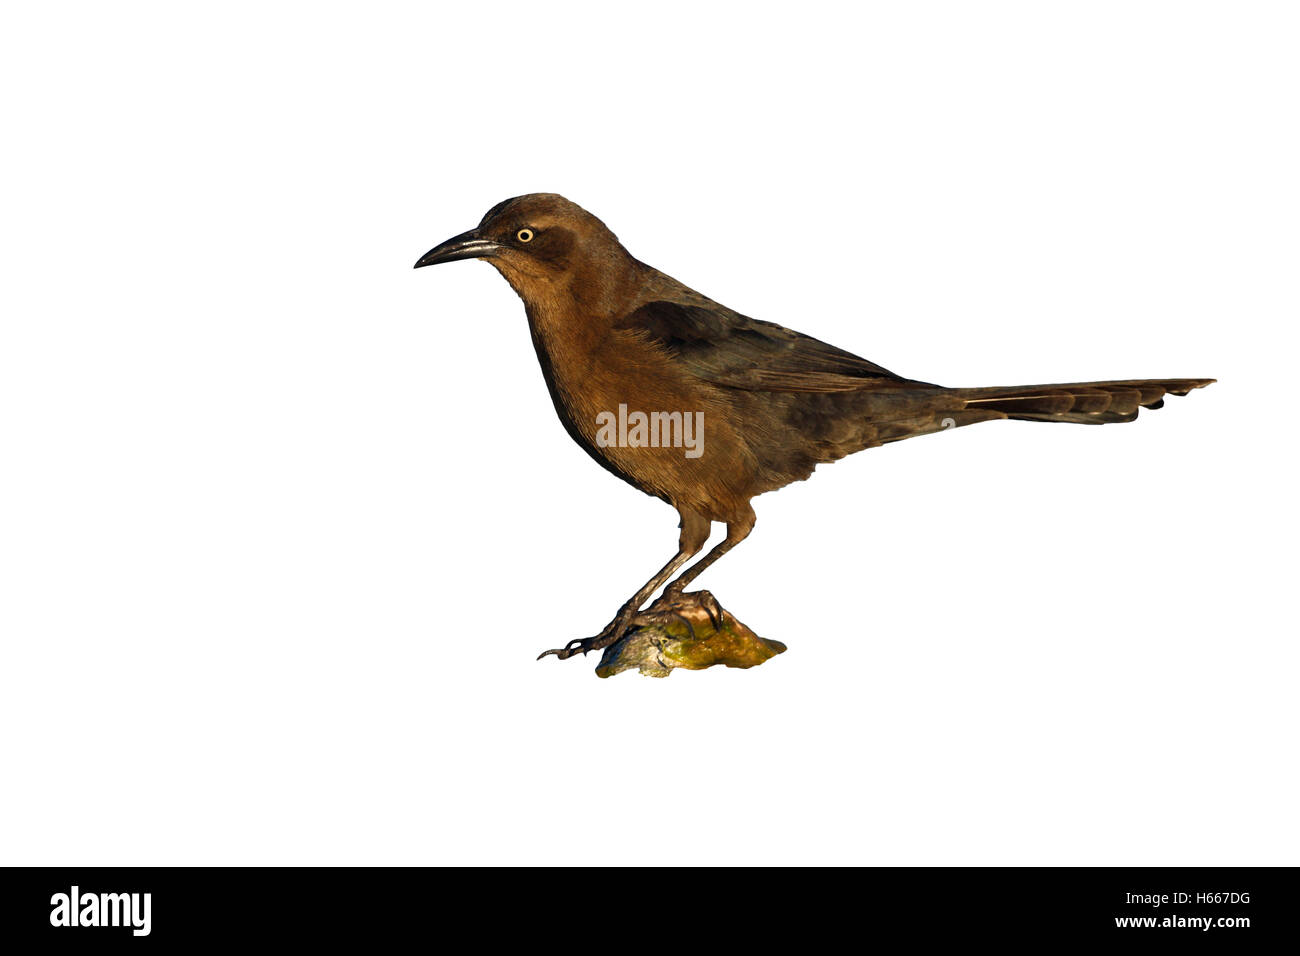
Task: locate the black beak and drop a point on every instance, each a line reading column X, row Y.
column 468, row 245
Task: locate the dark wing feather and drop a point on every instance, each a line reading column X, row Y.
column 726, row 348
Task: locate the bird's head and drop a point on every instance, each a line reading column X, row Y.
column 541, row 243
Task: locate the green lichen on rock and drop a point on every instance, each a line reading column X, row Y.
column 686, row 636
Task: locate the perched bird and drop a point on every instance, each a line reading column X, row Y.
column 624, row 347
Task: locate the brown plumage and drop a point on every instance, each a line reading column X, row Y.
column 611, row 331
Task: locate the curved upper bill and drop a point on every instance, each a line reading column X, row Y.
column 468, row 245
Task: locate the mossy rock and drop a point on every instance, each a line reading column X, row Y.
column 696, row 634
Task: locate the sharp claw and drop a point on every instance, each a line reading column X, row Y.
column 568, row 650
column 687, row 621
column 616, row 629
column 714, row 610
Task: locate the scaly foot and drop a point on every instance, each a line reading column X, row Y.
column 670, row 605
column 608, row 635
column 672, row 602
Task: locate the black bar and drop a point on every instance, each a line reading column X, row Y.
column 1225, row 907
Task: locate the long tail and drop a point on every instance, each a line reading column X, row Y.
column 1086, row 403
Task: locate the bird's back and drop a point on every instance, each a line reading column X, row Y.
column 795, row 400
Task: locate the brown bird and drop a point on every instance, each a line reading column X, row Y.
column 706, row 408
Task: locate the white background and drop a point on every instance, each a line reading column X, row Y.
column 284, row 522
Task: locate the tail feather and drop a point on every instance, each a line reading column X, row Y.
column 886, row 416
column 1088, row 403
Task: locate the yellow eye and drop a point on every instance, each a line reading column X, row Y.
column 524, row 235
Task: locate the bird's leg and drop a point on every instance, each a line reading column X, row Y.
column 737, row 531
column 695, row 531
